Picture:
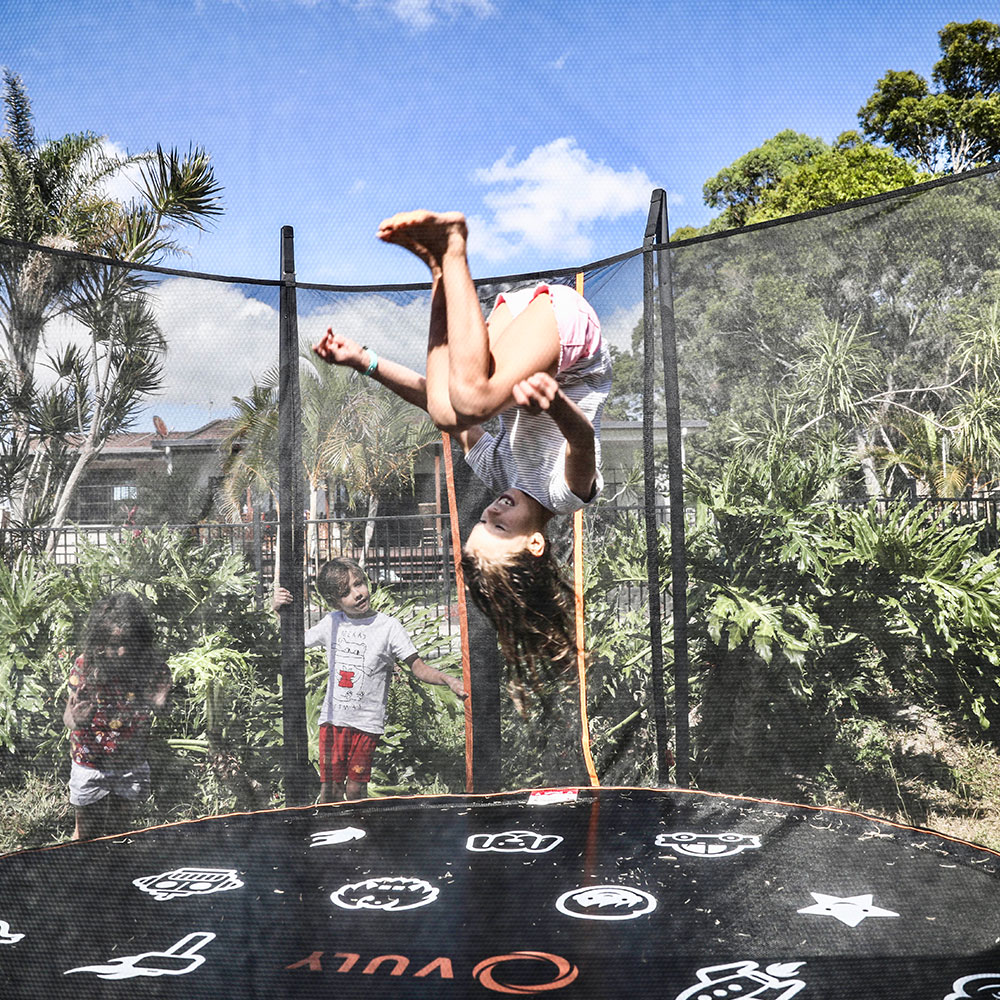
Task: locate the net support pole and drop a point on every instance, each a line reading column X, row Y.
column 290, row 536
column 675, row 473
column 649, row 492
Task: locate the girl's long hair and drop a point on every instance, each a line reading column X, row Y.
column 531, row 606
column 119, row 620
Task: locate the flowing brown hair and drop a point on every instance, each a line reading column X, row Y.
column 531, row 606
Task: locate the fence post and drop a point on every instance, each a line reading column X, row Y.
column 293, row 695
column 258, row 556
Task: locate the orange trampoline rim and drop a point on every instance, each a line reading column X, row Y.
column 515, row 793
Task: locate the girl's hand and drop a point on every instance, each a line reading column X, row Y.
column 79, row 710
column 336, row 349
column 537, row 392
column 456, row 685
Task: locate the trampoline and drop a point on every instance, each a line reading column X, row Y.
column 603, row 893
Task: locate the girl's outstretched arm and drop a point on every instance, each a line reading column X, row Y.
column 336, row 349
column 541, row 392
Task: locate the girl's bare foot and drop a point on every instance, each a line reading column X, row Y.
column 429, row 235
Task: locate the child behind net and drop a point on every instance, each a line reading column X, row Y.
column 537, row 362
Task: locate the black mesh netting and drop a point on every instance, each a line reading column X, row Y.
column 839, row 399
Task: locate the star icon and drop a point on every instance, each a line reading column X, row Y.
column 850, row 910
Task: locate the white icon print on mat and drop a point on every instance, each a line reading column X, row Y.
column 513, row 842
column 709, row 845
column 745, row 980
column 391, row 892
column 177, row 960
column 188, row 882
column 605, row 902
column 981, row 986
column 328, row 837
column 6, row 937
column 850, row 910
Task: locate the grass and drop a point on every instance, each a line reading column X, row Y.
column 915, row 768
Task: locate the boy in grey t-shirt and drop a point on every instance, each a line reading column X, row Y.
column 363, row 647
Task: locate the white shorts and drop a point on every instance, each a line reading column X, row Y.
column 88, row 785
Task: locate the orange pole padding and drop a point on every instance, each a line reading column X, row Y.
column 581, row 649
column 581, row 644
column 463, row 616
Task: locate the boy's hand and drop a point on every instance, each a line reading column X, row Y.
column 336, row 349
column 455, row 683
column 281, row 598
column 536, row 392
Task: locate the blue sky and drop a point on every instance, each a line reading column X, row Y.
column 547, row 122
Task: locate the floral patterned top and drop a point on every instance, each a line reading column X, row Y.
column 119, row 728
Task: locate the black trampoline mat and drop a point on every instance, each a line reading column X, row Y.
column 603, row 893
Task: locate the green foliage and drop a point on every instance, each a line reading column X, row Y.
column 851, row 169
column 216, row 747
column 955, row 127
column 30, row 648
column 801, row 606
column 52, row 194
column 738, row 188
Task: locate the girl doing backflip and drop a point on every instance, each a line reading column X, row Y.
column 538, row 363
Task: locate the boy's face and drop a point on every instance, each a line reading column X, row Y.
column 356, row 603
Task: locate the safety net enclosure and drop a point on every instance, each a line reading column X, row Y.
column 171, row 435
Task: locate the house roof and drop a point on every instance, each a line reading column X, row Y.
column 206, row 438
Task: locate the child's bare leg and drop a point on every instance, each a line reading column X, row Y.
column 357, row 789
column 442, row 236
column 326, row 791
column 118, row 817
column 90, row 821
column 337, row 792
column 479, row 380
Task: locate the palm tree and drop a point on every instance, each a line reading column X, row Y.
column 353, row 433
column 53, row 199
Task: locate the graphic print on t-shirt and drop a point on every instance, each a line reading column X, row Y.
column 351, row 680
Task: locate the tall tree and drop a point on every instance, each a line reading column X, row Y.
column 354, row 435
column 53, row 197
column 955, row 126
column 851, row 169
column 738, row 188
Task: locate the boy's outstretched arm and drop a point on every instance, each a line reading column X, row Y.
column 541, row 392
column 430, row 675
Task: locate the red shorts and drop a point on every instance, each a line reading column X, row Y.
column 345, row 753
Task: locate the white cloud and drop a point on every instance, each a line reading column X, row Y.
column 559, row 63
column 550, row 200
column 617, row 328
column 122, row 185
column 422, row 14
column 219, row 340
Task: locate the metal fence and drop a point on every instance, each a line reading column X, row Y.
column 411, row 554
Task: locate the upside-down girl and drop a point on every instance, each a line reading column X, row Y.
column 539, row 364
